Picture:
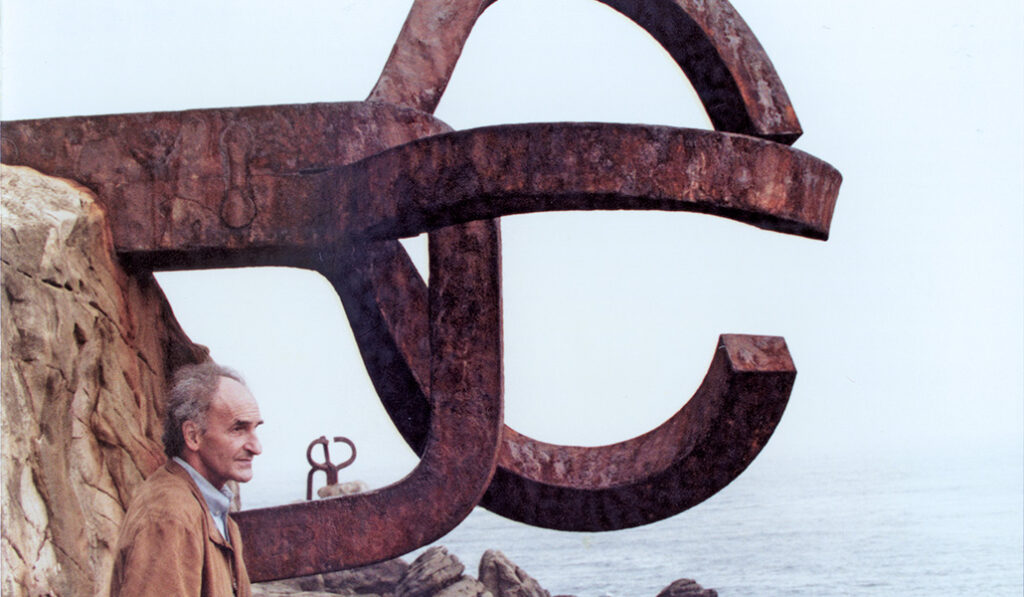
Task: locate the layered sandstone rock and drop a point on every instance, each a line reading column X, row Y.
column 86, row 348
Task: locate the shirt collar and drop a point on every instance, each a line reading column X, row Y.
column 218, row 500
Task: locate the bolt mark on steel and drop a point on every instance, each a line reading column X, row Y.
column 331, row 187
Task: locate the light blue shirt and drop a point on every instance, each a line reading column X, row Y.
column 217, row 500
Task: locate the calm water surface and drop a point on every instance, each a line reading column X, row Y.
column 838, row 527
column 891, row 525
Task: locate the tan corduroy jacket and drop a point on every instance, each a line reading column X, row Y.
column 169, row 544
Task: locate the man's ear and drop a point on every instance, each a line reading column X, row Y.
column 192, row 434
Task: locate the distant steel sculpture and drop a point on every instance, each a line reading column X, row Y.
column 329, row 469
column 331, row 187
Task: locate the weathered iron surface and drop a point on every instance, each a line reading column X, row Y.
column 461, row 449
column 208, row 188
column 684, row 461
column 722, row 58
column 327, row 467
column 708, row 39
column 196, row 205
column 424, row 56
column 504, row 170
column 330, row 187
column 699, row 450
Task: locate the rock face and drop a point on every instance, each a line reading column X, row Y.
column 86, row 348
column 434, row 570
column 436, row 573
column 686, row 587
column 467, row 586
column 504, row 579
column 378, row 579
column 343, row 488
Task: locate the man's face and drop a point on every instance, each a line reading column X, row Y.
column 225, row 451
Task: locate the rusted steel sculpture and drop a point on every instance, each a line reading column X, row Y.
column 327, row 467
column 330, row 187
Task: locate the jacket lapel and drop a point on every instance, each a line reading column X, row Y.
column 208, row 525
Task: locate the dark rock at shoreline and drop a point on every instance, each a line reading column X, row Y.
column 466, row 587
column 686, row 587
column 436, row 573
column 433, row 571
column 376, row 579
column 504, row 579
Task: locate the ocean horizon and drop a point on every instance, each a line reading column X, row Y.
column 911, row 524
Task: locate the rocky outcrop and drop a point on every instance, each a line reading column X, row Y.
column 377, row 579
column 504, row 579
column 686, row 587
column 433, row 571
column 343, row 488
column 436, row 573
column 86, row 348
column 466, row 586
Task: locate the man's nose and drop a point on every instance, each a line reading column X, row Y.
column 253, row 445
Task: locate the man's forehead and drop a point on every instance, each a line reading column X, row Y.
column 234, row 400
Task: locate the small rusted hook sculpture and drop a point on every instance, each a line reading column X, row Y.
column 328, row 467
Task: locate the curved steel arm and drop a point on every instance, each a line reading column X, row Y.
column 466, row 400
column 691, row 456
column 708, row 39
column 503, row 170
column 663, row 472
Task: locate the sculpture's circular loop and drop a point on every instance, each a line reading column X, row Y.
column 327, row 465
column 352, row 456
column 708, row 39
column 320, row 466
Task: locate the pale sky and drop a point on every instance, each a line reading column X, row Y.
column 906, row 326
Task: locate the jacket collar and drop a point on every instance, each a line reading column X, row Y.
column 209, row 528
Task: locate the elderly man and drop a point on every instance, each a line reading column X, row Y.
column 177, row 538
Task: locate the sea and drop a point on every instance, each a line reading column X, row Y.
column 948, row 521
